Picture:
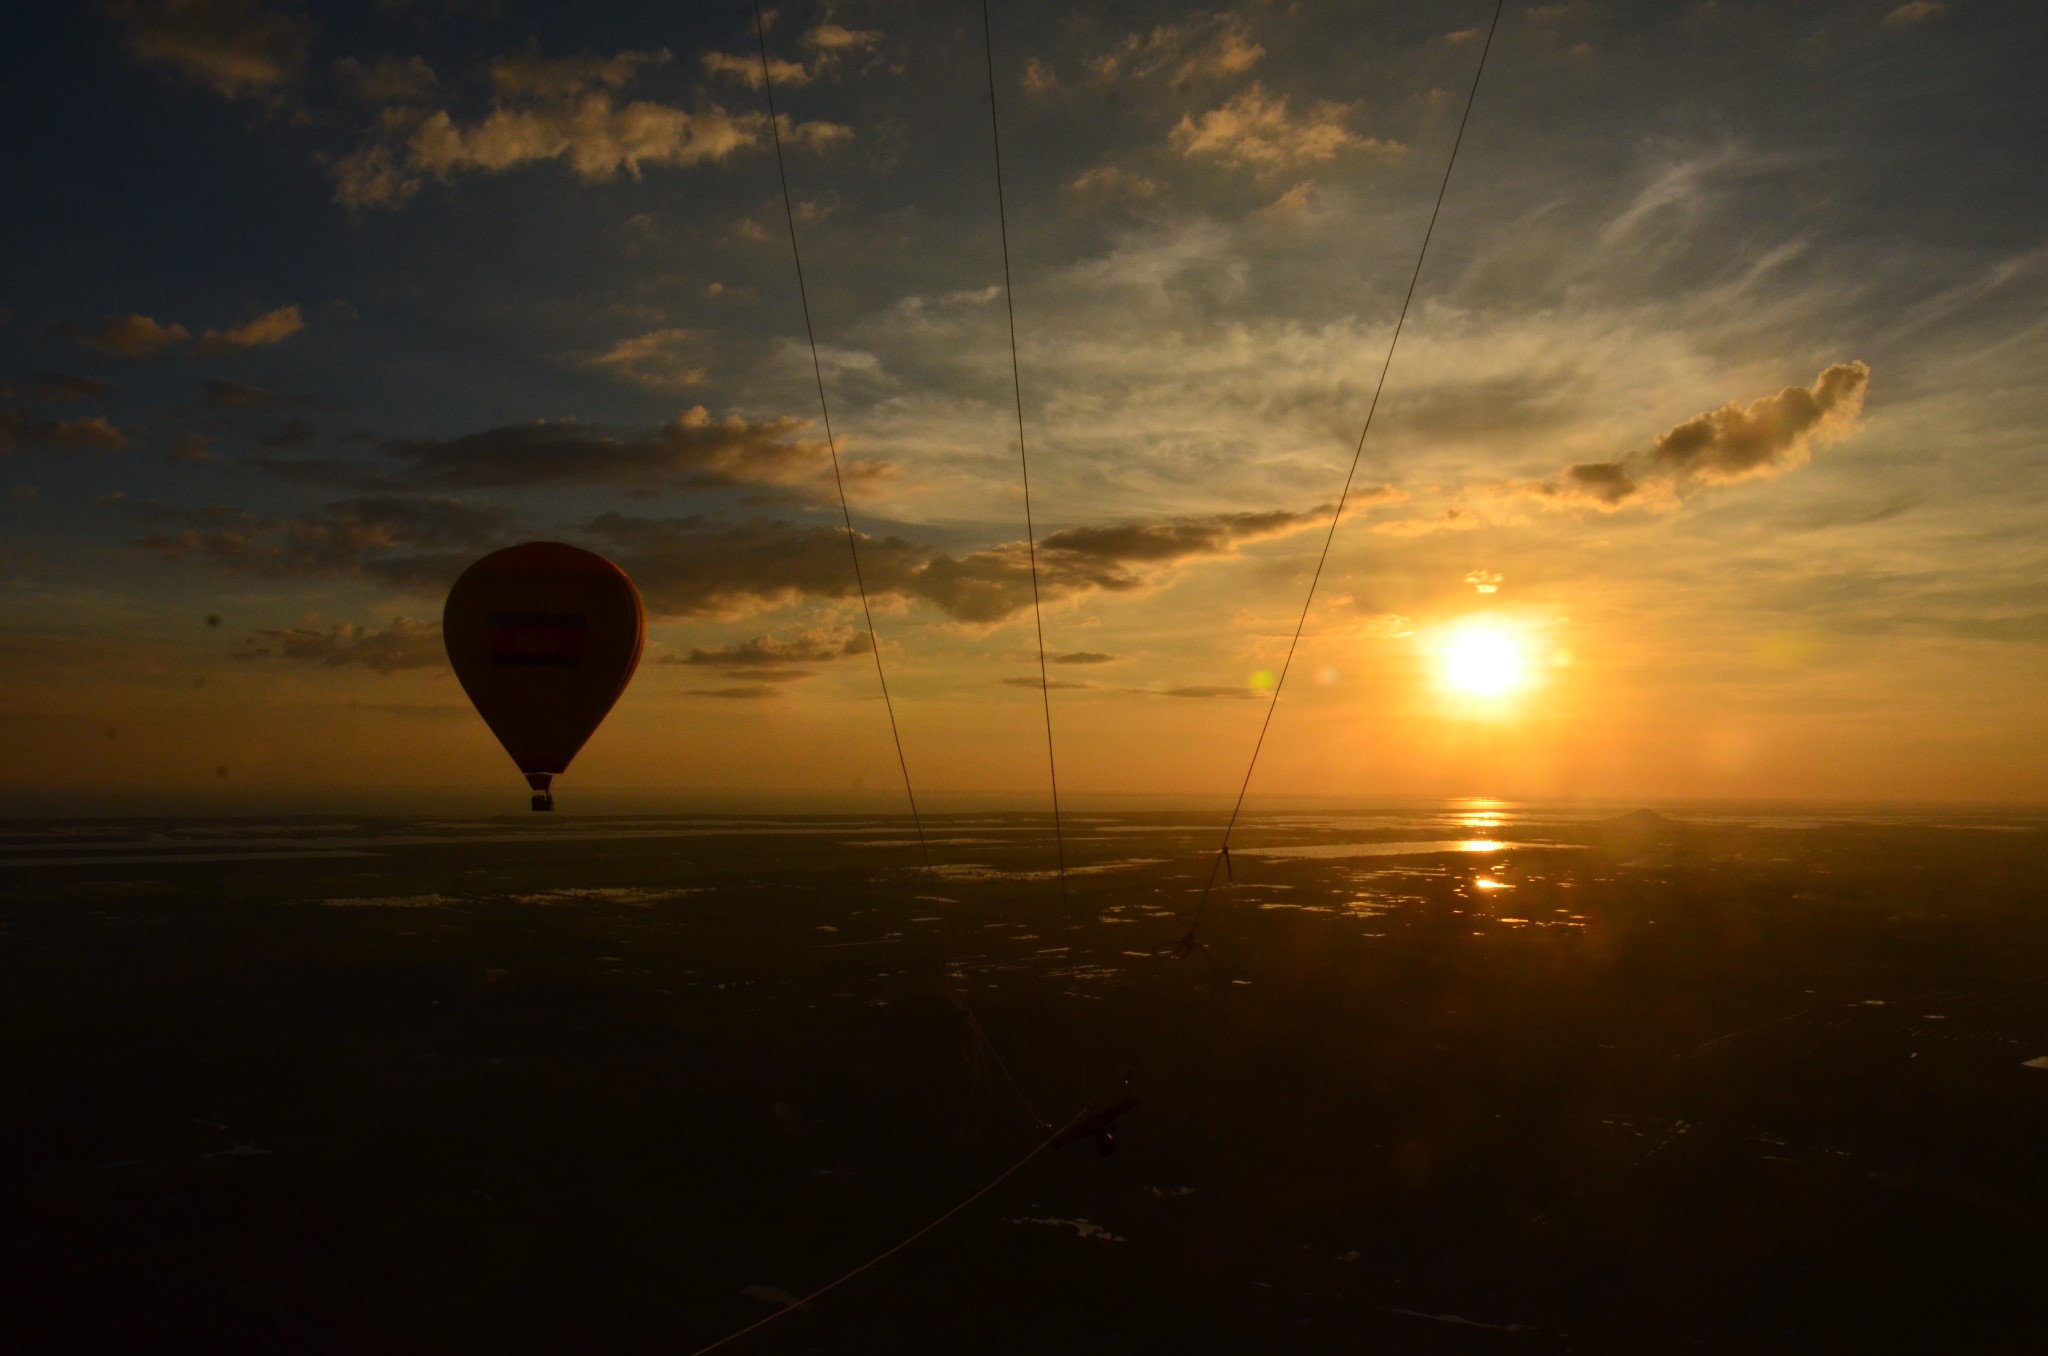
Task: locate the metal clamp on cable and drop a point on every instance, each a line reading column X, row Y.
column 1099, row 1122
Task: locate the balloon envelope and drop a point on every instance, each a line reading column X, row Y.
column 544, row 638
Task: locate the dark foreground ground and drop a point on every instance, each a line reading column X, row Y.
column 579, row 1085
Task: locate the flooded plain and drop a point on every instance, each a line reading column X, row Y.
column 1467, row 1077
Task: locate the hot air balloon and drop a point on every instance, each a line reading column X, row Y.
column 544, row 638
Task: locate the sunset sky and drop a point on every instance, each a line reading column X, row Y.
column 1720, row 405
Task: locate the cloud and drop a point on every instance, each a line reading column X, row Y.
column 1203, row 690
column 382, row 536
column 1292, row 207
column 1766, row 437
column 138, row 336
column 747, row 70
column 1737, row 442
column 772, row 659
column 373, row 176
column 1108, row 179
column 1038, row 77
column 814, row 135
column 1049, row 685
column 1484, row 581
column 387, row 80
column 710, row 567
column 232, row 395
column 1450, row 520
column 919, row 306
column 569, row 110
column 529, row 74
column 1678, row 189
column 655, row 359
column 701, row 567
column 232, row 47
column 135, row 336
column 595, row 136
column 750, row 693
column 475, row 9
column 1254, row 131
column 56, row 388
column 1367, row 625
column 1085, row 657
column 833, row 38
column 1169, row 539
column 1220, row 45
column 1607, row 483
column 990, row 586
column 406, row 644
column 1911, row 15
column 91, row 433
column 288, row 435
column 272, row 327
column 693, row 449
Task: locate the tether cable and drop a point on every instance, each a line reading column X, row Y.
column 1188, row 940
column 1005, row 1175
column 1052, row 765
column 832, row 443
column 853, row 549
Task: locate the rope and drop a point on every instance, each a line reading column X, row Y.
column 1005, row 1175
column 832, row 443
column 1188, row 942
column 1052, row 766
column 853, row 549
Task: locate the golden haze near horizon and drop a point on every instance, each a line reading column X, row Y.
column 1709, row 465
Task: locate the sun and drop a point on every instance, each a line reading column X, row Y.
column 1484, row 659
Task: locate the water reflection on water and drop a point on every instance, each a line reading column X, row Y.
column 1415, row 849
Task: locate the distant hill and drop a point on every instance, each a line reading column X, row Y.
column 1638, row 829
column 1640, row 821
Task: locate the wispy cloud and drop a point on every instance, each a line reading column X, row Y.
column 1050, row 684
column 405, row 542
column 746, row 70
column 659, row 359
column 272, row 327
column 235, row 48
column 1210, row 46
column 694, row 449
column 405, row 644
column 713, row 567
column 139, row 336
column 572, row 110
column 387, row 80
column 135, row 336
column 837, row 38
column 56, row 388
column 1255, row 131
column 233, row 395
column 788, row 658
column 92, row 433
column 1912, row 14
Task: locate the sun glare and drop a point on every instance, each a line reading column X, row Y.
column 1483, row 660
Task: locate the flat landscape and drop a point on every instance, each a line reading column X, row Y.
column 1463, row 1078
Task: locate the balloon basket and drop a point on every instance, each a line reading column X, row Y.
column 544, row 800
